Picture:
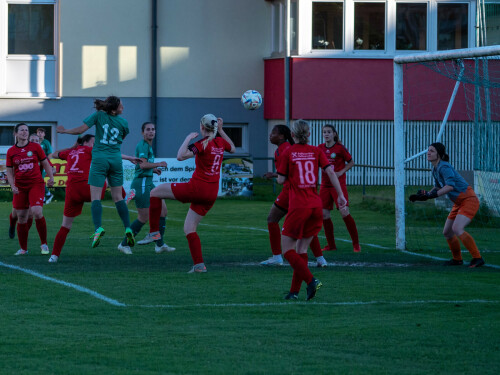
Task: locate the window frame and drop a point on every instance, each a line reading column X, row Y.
column 245, row 142
column 55, row 58
column 305, row 29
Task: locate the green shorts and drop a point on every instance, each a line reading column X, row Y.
column 110, row 168
column 142, row 187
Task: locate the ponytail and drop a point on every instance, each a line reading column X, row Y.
column 109, row 105
column 210, row 124
column 285, row 131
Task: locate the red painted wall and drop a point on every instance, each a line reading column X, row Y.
column 355, row 89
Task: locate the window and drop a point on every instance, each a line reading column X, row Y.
column 239, row 135
column 453, row 22
column 492, row 12
column 29, row 48
column 7, row 134
column 369, row 26
column 328, row 26
column 411, row 26
column 31, row 29
column 279, row 25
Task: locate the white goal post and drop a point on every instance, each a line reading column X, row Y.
column 399, row 137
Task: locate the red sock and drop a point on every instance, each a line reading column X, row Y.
column 22, row 235
column 275, row 237
column 12, row 221
column 41, row 227
column 60, row 240
column 30, row 222
column 296, row 280
column 330, row 238
column 316, row 247
column 299, row 265
column 195, row 247
column 351, row 228
column 154, row 214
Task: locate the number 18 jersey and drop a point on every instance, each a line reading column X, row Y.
column 300, row 165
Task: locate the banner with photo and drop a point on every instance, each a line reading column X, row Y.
column 236, row 174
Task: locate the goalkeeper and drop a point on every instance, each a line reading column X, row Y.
column 465, row 205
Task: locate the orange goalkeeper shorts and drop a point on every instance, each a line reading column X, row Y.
column 466, row 204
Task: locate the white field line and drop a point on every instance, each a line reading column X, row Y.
column 64, row 283
column 347, row 303
column 222, row 305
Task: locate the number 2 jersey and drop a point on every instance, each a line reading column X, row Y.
column 78, row 161
column 209, row 160
column 24, row 161
column 299, row 164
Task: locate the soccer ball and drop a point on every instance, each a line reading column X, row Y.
column 251, row 99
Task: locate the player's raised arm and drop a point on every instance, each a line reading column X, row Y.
column 184, row 152
column 76, row 131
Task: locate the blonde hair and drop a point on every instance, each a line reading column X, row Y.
column 210, row 124
column 300, row 129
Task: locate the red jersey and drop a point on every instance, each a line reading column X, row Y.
column 338, row 156
column 277, row 158
column 300, row 165
column 78, row 163
column 209, row 160
column 24, row 161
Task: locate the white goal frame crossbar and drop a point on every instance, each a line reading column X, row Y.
column 399, row 138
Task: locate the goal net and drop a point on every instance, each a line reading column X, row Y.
column 450, row 97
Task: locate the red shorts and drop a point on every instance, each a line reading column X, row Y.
column 282, row 200
column 329, row 195
column 29, row 196
column 303, row 222
column 76, row 195
column 200, row 194
column 466, row 204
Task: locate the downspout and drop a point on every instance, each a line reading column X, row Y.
column 154, row 57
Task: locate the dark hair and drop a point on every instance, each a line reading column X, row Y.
column 84, row 139
column 285, row 131
column 441, row 150
column 40, row 130
column 108, row 105
column 16, row 128
column 146, row 123
column 336, row 138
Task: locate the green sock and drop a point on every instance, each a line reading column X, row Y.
column 96, row 210
column 122, row 209
column 136, row 228
column 162, row 230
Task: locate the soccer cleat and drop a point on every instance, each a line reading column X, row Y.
column 312, row 288
column 124, row 249
column 12, row 232
column 44, row 249
column 327, row 248
column 96, row 237
column 130, row 237
column 21, row 252
column 163, row 248
column 453, row 262
column 198, row 268
column 476, row 262
column 292, row 296
column 150, row 237
column 48, row 198
column 272, row 262
column 321, row 262
column 356, row 248
column 53, row 259
column 130, row 196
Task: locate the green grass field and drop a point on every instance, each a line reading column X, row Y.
column 381, row 311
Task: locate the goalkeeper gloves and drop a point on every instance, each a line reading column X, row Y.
column 423, row 195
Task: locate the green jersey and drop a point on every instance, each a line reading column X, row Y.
column 109, row 133
column 46, row 147
column 144, row 150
